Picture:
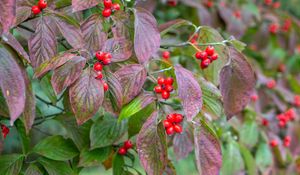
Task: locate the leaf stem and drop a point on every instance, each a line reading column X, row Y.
column 48, row 103
column 163, row 70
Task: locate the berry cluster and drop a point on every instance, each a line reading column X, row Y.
column 271, row 84
column 109, row 7
column 126, row 146
column 5, row 130
column 207, row 56
column 166, row 55
column 285, row 117
column 36, row 9
column 104, row 58
column 164, row 87
column 297, row 100
column 275, row 5
column 172, row 123
column 275, row 28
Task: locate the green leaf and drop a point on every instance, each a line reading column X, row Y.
column 249, row 133
column 106, row 131
column 33, row 170
column 263, row 157
column 249, row 160
column 56, row 148
column 232, row 159
column 118, row 164
column 56, row 167
column 23, row 136
column 171, row 25
column 136, row 105
column 11, row 164
column 240, row 46
column 94, row 157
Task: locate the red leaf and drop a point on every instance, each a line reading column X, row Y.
column 237, row 82
column 42, row 45
column 93, row 33
column 23, row 11
column 189, row 92
column 207, row 150
column 67, row 74
column 86, row 96
column 146, row 35
column 132, row 78
column 152, row 147
column 8, row 14
column 79, row 5
column 12, row 83
column 182, row 145
column 121, row 49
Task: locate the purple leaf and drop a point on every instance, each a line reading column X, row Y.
column 86, row 96
column 8, row 14
column 207, row 150
column 203, row 13
column 132, row 78
column 42, row 45
column 152, row 147
column 182, row 145
column 67, row 74
column 148, row 5
column 146, row 35
column 170, row 25
column 23, row 11
column 53, row 63
column 79, row 5
column 237, row 82
column 14, row 43
column 121, row 49
column 93, row 34
column 189, row 92
column 12, row 83
column 115, row 91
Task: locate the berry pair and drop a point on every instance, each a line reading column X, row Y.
column 287, row 141
column 109, row 7
column 5, row 130
column 275, row 5
column 104, row 58
column 36, row 9
column 285, row 117
column 207, row 56
column 164, row 87
column 126, row 146
column 286, row 25
column 172, row 123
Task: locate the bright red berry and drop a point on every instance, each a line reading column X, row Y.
column 5, row 130
column 290, row 114
column 128, row 144
column 271, row 84
column 158, row 89
column 177, row 118
column 35, row 9
column 172, row 3
column 167, row 123
column 106, row 61
column 106, row 13
column 105, row 86
column 170, row 130
column 282, row 123
column 273, row 143
column 210, row 50
column 254, row 97
column 202, row 55
column 264, row 122
column 99, row 75
column 214, row 57
column 116, row 7
column 171, row 117
column 100, row 55
column 160, row 81
column 165, row 94
column 273, row 28
column 42, row 4
column 98, row 66
column 122, row 151
column 107, row 4
column 177, row 128
column 287, row 141
column 169, row 88
column 205, row 63
column 166, row 54
column 169, row 81
column 297, row 100
column 198, row 55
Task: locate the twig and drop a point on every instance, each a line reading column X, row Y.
column 48, row 103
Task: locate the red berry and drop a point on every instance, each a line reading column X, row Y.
column 106, row 61
column 171, row 117
column 128, row 144
column 166, row 54
column 210, row 50
column 273, row 143
column 297, row 100
column 167, row 123
column 169, row 81
column 273, row 28
column 268, row 2
column 122, row 151
column 214, row 57
column 237, row 14
column 42, row 4
column 264, row 122
column 158, row 89
column 107, row 4
column 254, row 97
column 209, row 4
column 98, row 66
column 100, row 55
column 35, row 9
column 170, row 130
column 169, row 88
column 105, row 86
column 193, row 41
column 177, row 128
column 290, row 114
column 99, row 75
column 5, row 130
column 287, row 139
column 116, row 7
column 177, row 118
column 205, row 63
column 172, row 3
column 276, row 5
column 160, row 81
column 106, row 13
column 198, row 55
column 271, row 84
column 165, row 94
column 201, row 55
column 281, row 124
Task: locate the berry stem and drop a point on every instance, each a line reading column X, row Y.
column 163, row 70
